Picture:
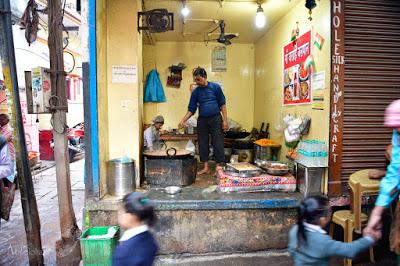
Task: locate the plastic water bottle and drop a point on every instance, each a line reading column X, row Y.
column 305, row 150
column 319, row 153
column 312, row 148
column 325, row 155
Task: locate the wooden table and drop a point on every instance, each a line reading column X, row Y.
column 179, row 137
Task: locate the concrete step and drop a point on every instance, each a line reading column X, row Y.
column 262, row 258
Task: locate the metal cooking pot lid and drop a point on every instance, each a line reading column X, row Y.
column 167, row 153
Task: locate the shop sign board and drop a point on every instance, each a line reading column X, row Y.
column 296, row 72
column 337, row 97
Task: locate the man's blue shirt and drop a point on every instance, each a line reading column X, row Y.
column 209, row 99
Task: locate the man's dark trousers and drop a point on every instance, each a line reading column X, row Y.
column 207, row 126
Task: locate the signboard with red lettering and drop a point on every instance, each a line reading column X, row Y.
column 297, row 71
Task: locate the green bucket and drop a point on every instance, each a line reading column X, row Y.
column 98, row 251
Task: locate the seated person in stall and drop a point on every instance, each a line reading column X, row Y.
column 151, row 135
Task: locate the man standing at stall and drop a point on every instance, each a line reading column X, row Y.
column 210, row 99
column 151, row 135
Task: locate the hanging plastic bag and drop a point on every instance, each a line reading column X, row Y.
column 190, row 147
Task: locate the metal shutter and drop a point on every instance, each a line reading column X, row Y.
column 371, row 81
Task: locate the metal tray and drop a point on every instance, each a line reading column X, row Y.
column 241, row 174
column 243, row 167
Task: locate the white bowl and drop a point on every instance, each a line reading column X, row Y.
column 172, row 190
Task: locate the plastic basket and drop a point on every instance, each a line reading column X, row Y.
column 98, row 252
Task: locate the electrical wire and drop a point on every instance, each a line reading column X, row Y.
column 65, row 126
column 73, row 60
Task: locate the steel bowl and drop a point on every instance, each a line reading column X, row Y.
column 172, row 190
column 278, row 172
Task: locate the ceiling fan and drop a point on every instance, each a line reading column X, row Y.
column 223, row 38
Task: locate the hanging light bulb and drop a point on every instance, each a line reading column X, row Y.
column 185, row 10
column 260, row 17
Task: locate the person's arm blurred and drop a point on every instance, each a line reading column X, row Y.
column 332, row 248
column 6, row 165
column 389, row 186
column 388, row 152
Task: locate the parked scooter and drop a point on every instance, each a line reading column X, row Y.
column 76, row 143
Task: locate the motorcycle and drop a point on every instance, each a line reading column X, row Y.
column 76, row 143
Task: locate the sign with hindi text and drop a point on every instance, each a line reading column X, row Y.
column 297, row 71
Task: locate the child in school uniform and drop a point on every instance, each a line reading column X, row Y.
column 137, row 246
column 310, row 245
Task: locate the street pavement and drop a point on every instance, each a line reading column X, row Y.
column 13, row 250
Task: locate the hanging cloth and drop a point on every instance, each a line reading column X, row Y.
column 153, row 90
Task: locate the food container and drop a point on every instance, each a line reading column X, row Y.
column 228, row 154
column 245, row 155
column 262, row 153
column 274, row 168
column 120, row 176
column 191, row 130
column 244, row 168
column 242, row 174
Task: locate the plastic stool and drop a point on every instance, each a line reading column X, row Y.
column 360, row 185
column 345, row 219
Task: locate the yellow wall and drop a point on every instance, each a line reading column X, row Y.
column 269, row 70
column 119, row 105
column 238, row 80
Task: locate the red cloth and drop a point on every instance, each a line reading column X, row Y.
column 264, row 182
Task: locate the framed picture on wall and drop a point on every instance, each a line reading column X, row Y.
column 218, row 59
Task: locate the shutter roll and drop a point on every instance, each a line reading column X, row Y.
column 372, row 81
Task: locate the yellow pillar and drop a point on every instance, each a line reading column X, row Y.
column 119, row 101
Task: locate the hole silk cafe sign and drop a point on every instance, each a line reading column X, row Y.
column 337, row 97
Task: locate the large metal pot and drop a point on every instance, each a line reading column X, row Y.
column 120, row 177
column 245, row 155
column 170, row 153
column 169, row 168
column 262, row 153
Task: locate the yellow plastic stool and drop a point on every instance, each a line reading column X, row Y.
column 345, row 219
column 360, row 184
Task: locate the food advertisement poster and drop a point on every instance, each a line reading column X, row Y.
column 297, row 61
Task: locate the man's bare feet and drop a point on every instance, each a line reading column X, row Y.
column 204, row 171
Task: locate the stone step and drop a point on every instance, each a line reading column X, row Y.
column 262, row 258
